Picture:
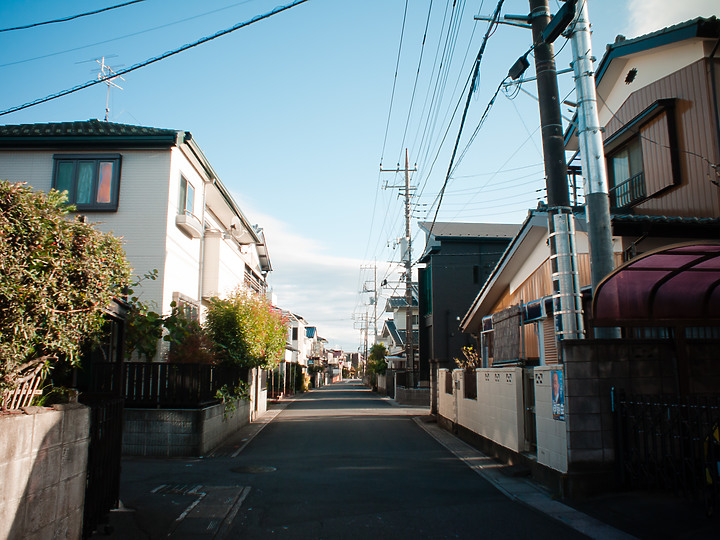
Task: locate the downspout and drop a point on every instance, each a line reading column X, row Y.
column 202, row 246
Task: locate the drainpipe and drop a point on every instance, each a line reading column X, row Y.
column 202, row 245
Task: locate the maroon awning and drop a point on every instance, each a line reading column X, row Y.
column 678, row 284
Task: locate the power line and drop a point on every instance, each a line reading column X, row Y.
column 155, row 59
column 392, row 95
column 69, row 18
column 133, row 34
column 473, row 84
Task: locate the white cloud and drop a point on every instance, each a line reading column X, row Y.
column 645, row 16
column 308, row 279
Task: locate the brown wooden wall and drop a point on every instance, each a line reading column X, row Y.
column 696, row 141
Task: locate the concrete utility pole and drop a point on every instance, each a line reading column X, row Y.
column 374, row 290
column 567, row 301
column 592, row 155
column 409, row 356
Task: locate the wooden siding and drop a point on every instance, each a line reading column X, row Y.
column 655, row 144
column 696, row 140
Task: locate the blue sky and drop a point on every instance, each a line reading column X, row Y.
column 295, row 114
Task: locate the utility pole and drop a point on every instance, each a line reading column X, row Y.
column 374, row 290
column 567, row 299
column 592, row 155
column 405, row 191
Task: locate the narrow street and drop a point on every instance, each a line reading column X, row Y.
column 339, row 462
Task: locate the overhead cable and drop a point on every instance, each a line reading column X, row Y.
column 152, row 60
column 69, row 18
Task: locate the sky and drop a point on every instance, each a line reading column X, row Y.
column 299, row 111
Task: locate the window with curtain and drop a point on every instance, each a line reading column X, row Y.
column 92, row 181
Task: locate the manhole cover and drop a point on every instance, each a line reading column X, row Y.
column 253, row 469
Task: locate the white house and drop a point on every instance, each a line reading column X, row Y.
column 154, row 188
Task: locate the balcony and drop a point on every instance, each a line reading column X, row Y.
column 629, row 192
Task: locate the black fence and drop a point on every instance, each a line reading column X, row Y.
column 661, row 441
column 102, row 489
column 166, row 385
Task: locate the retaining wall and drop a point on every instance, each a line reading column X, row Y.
column 43, row 469
column 180, row 432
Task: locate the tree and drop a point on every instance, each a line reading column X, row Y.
column 376, row 359
column 247, row 330
column 56, row 276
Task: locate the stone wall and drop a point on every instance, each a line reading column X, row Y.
column 43, row 469
column 180, row 432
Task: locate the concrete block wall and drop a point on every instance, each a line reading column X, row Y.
column 497, row 414
column 551, row 434
column 180, row 432
column 43, row 469
column 592, row 369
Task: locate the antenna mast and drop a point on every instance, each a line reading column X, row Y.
column 108, row 75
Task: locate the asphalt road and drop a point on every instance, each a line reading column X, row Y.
column 338, row 462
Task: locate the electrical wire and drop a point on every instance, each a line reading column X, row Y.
column 392, row 95
column 69, row 18
column 153, row 60
column 133, row 34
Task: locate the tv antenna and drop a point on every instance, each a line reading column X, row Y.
column 108, row 75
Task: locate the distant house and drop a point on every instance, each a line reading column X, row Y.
column 658, row 97
column 458, row 259
column 154, row 188
column 394, row 331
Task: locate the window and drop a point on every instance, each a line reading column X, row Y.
column 625, row 172
column 186, row 204
column 92, row 181
column 294, row 333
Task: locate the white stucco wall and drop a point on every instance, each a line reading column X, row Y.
column 497, row 413
column 650, row 65
column 551, row 434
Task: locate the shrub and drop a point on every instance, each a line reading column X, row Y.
column 56, row 276
column 247, row 330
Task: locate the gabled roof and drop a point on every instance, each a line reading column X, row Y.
column 96, row 134
column 531, row 232
column 695, row 28
column 89, row 132
column 395, row 303
column 398, row 336
column 704, row 28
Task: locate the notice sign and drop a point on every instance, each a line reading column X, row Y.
column 558, row 395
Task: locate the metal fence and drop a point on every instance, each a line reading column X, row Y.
column 165, row 384
column 102, row 490
column 660, row 441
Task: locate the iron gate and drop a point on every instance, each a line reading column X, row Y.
column 102, row 490
column 660, row 441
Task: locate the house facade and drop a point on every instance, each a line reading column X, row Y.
column 556, row 402
column 394, row 331
column 156, row 190
column 457, row 260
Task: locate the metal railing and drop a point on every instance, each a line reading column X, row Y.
column 660, row 441
column 165, row 384
column 628, row 192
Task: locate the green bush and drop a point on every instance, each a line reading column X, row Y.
column 56, row 276
column 247, row 330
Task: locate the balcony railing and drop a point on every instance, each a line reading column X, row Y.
column 628, row 192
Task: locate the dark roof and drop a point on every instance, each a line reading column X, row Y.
column 398, row 336
column 88, row 132
column 671, row 226
column 470, row 230
column 699, row 27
